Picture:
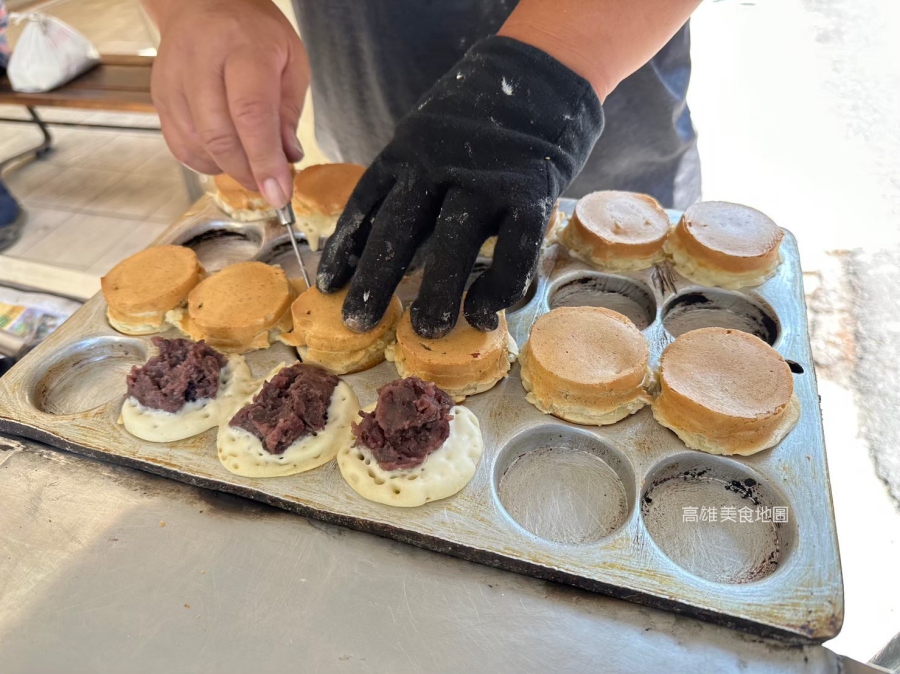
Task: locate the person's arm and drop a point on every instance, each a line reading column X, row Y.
column 604, row 41
column 488, row 151
column 229, row 83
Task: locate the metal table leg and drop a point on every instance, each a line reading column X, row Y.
column 38, row 151
column 191, row 183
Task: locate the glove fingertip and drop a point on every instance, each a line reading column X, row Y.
column 326, row 281
column 336, row 264
column 428, row 326
column 363, row 309
column 358, row 321
column 479, row 316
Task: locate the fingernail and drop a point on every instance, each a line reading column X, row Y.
column 273, row 193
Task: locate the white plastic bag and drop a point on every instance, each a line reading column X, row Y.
column 48, row 54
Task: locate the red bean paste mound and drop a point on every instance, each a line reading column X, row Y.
column 411, row 420
column 182, row 372
column 292, row 405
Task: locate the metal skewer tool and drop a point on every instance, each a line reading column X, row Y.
column 286, row 218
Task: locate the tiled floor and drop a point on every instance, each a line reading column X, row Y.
column 98, row 196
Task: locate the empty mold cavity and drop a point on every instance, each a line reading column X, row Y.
column 630, row 298
column 564, row 485
column 714, row 308
column 88, row 374
column 219, row 244
column 716, row 519
column 282, row 254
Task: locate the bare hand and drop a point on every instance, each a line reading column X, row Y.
column 228, row 83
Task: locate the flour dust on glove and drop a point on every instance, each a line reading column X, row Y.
column 486, row 152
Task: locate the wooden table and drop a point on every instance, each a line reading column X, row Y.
column 119, row 83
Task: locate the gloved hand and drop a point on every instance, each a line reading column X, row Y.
column 486, row 152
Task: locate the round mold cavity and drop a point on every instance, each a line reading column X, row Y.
column 716, row 308
column 219, row 244
column 716, row 519
column 87, row 375
column 282, row 254
column 593, row 289
column 564, row 485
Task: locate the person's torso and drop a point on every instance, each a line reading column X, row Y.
column 371, row 62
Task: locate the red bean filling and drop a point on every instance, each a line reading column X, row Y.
column 182, row 372
column 292, row 405
column 411, row 420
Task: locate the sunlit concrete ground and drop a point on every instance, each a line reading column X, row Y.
column 797, row 104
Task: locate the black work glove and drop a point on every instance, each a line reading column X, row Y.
column 486, row 152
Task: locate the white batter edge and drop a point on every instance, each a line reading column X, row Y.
column 242, row 453
column 443, row 473
column 710, row 446
column 146, row 423
column 137, row 328
column 316, row 226
column 245, row 214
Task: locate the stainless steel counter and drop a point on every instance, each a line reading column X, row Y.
column 107, row 569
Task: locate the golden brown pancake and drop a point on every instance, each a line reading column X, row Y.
column 322, row 339
column 587, row 365
column 617, row 230
column 464, row 362
column 320, row 194
column 238, row 309
column 725, row 392
column 239, row 202
column 727, row 245
column 142, row 288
